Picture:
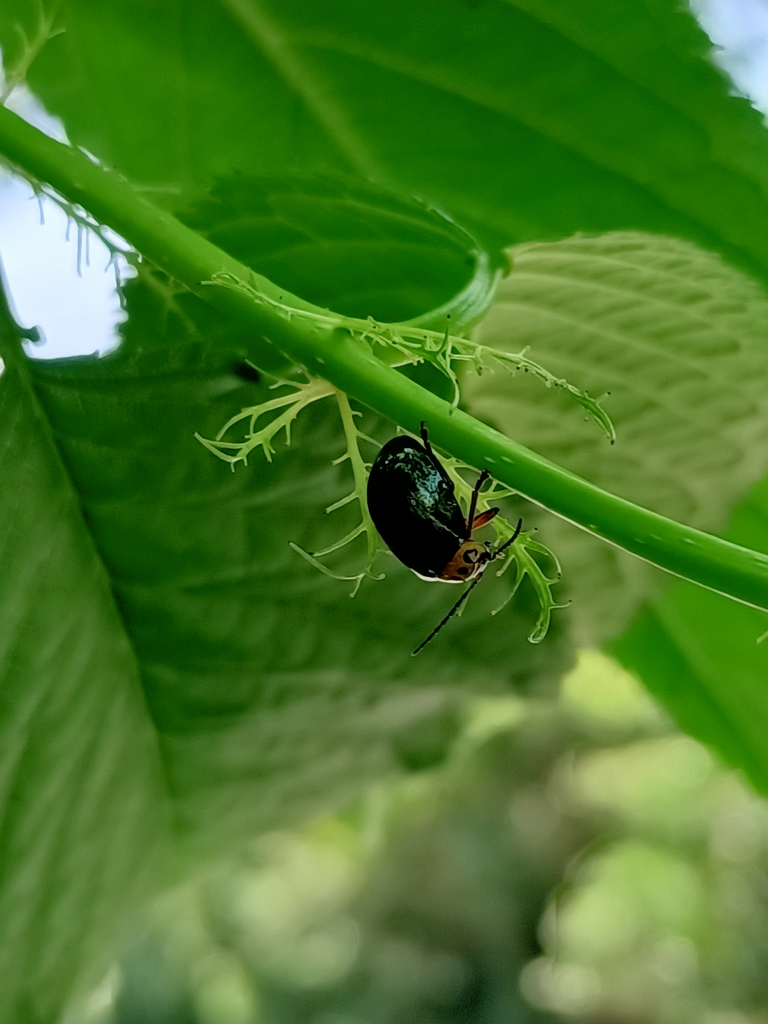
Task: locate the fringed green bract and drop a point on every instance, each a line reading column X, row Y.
column 417, row 345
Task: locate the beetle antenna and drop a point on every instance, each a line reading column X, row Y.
column 450, row 615
column 468, row 591
column 435, row 461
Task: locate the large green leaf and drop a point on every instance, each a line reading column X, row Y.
column 678, row 339
column 175, row 677
column 527, row 119
column 83, row 798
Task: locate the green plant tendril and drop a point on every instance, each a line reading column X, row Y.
column 416, row 345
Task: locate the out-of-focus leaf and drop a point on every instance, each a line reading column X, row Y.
column 700, row 655
column 528, row 119
column 679, row 340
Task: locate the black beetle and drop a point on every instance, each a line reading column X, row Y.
column 413, row 505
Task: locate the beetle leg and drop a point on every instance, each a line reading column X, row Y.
column 437, row 463
column 425, row 438
column 473, row 502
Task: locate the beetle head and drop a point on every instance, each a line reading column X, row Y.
column 468, row 562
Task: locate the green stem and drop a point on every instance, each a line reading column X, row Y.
column 348, row 363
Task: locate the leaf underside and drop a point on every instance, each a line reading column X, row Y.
column 677, row 338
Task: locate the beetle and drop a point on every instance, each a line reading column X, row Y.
column 412, row 503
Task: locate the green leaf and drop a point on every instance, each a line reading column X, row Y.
column 526, row 119
column 169, row 659
column 678, row 339
column 348, row 246
column 702, row 656
column 84, row 802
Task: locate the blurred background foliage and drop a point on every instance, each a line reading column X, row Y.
column 572, row 859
